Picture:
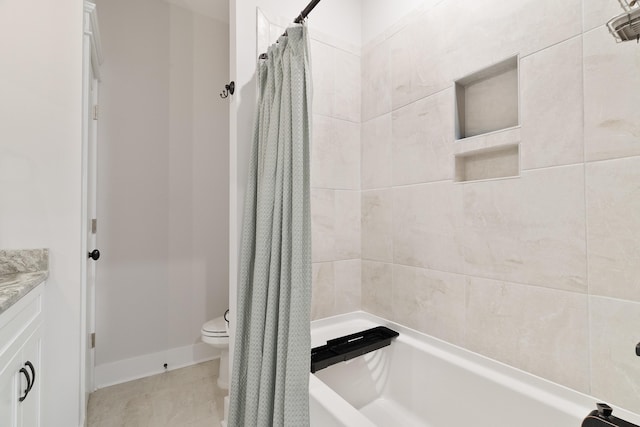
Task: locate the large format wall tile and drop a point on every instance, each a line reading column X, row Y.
column 489, row 31
column 611, row 93
column 528, row 230
column 423, row 140
column 335, row 180
column 335, row 154
column 347, row 84
column 322, row 290
column 377, row 288
column 337, row 80
column 348, row 277
column 430, row 301
column 347, row 225
column 614, row 365
column 377, row 167
column 613, row 228
column 418, row 59
column 323, row 75
column 542, row 331
column 377, row 225
column 335, row 224
column 552, row 106
column 376, row 81
column 597, row 13
column 427, row 226
column 322, row 225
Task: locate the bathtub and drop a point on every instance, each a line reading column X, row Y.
column 421, row 381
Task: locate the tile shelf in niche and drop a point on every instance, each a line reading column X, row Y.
column 487, row 100
column 488, row 164
column 488, row 140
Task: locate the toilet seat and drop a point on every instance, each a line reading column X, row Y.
column 216, row 328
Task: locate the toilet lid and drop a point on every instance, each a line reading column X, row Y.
column 216, row 328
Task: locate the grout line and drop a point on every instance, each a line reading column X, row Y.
column 635, row 156
column 575, row 36
column 421, row 183
column 430, row 95
column 586, row 218
column 441, row 181
column 586, row 162
column 342, row 119
column 568, row 165
column 332, row 44
column 616, row 299
column 400, row 107
column 474, row 276
column 600, row 27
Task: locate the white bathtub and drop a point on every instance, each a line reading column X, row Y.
column 422, row 381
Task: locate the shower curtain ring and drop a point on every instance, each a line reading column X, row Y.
column 228, row 90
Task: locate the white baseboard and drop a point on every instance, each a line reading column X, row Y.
column 146, row 365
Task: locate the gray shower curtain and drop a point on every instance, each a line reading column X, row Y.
column 270, row 378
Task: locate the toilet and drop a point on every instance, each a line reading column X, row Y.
column 216, row 333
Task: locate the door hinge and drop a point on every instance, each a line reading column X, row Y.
column 95, row 112
column 94, row 226
column 93, row 340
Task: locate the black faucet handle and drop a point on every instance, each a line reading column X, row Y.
column 603, row 417
column 604, row 410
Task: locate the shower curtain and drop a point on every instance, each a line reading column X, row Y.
column 270, row 379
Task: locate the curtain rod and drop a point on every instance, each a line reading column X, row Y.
column 299, row 19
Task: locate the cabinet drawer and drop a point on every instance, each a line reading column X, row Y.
column 18, row 318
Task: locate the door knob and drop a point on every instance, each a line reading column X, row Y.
column 94, row 255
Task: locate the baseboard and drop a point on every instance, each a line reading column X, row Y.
column 146, row 365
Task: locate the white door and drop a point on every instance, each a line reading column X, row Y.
column 92, row 57
column 93, row 254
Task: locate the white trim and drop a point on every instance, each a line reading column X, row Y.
column 92, row 29
column 146, row 365
column 92, row 57
column 86, row 81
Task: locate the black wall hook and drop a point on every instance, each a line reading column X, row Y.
column 228, row 90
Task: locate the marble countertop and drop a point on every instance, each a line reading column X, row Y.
column 20, row 272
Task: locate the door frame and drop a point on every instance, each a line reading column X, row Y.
column 91, row 60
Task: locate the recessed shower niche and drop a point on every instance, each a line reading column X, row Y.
column 487, row 100
column 487, row 122
column 491, row 163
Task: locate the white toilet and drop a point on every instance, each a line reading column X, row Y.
column 216, row 333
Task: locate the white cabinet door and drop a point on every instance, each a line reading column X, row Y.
column 9, row 367
column 31, row 360
column 20, row 361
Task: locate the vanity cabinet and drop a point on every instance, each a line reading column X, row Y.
column 20, row 361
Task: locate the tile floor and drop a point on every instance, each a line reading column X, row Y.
column 187, row 397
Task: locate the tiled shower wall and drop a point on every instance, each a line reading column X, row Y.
column 335, row 178
column 541, row 271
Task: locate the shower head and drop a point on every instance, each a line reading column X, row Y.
column 626, row 26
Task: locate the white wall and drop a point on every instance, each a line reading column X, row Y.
column 163, row 186
column 40, row 174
